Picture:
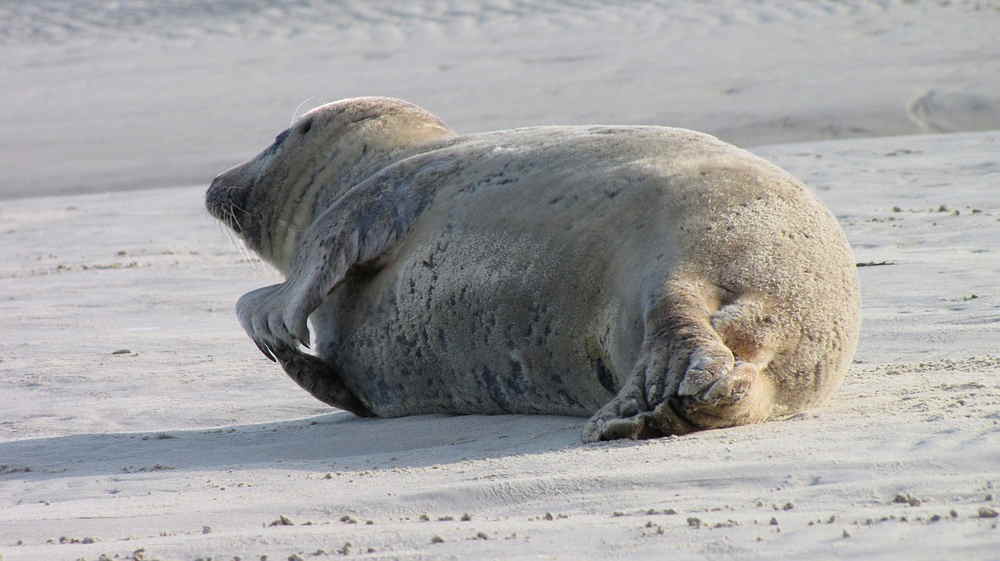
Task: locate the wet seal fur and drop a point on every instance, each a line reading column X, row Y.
column 655, row 279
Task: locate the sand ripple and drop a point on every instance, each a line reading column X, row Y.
column 48, row 21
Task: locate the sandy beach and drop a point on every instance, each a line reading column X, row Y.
column 139, row 422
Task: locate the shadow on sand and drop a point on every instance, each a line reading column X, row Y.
column 333, row 441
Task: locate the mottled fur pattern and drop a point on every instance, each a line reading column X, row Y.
column 655, row 279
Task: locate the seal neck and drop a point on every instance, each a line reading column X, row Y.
column 353, row 154
column 372, row 144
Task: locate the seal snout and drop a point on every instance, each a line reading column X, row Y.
column 227, row 203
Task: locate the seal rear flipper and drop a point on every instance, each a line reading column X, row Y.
column 320, row 379
column 687, row 377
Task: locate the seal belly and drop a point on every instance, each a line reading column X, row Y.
column 465, row 327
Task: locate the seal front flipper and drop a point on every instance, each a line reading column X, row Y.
column 364, row 225
column 261, row 312
column 356, row 231
column 319, row 378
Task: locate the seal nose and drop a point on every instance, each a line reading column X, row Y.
column 213, row 186
column 226, row 202
column 213, row 197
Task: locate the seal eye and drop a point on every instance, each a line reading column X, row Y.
column 306, row 126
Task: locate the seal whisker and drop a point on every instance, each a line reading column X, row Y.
column 238, row 242
column 224, row 225
column 295, row 114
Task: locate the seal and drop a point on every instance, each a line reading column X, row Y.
column 655, row 279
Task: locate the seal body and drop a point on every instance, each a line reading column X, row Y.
column 655, row 279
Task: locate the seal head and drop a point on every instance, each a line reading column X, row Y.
column 271, row 199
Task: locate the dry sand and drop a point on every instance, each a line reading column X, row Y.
column 136, row 416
